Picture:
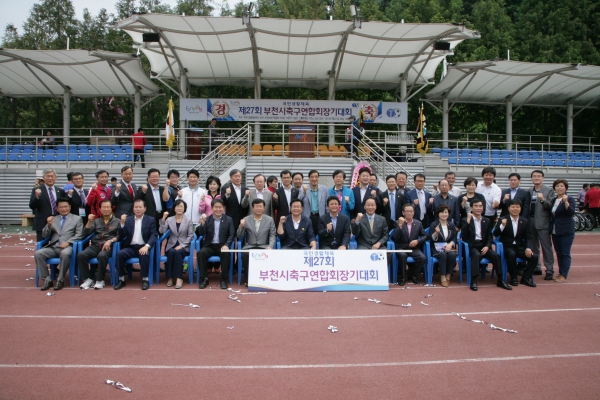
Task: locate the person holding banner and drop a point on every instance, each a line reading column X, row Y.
column 259, row 230
column 334, row 228
column 371, row 231
column 295, row 231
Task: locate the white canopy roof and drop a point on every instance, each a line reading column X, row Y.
column 291, row 52
column 49, row 73
column 523, row 83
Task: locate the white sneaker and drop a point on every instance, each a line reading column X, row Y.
column 99, row 285
column 87, row 284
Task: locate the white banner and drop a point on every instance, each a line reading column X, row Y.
column 318, row 270
column 291, row 110
column 193, row 110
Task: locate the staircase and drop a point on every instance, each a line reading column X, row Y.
column 274, row 165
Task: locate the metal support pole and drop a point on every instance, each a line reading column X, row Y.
column 66, row 116
column 445, row 117
column 331, row 96
column 137, row 111
column 403, row 127
column 257, row 94
column 569, row 127
column 182, row 123
column 509, row 115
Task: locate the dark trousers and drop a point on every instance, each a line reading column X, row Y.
column 85, row 256
column 141, row 155
column 476, row 257
column 38, row 236
column 446, row 261
column 208, row 251
column 174, row 265
column 352, row 146
column 511, row 253
column 562, row 245
column 416, row 267
column 246, row 260
column 314, row 218
column 132, row 251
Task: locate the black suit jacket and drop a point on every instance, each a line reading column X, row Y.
column 149, row 232
column 123, row 203
column 507, row 236
column 441, row 239
column 148, row 197
column 42, row 208
column 233, row 206
column 76, row 204
column 281, row 204
column 359, row 205
column 400, row 200
column 226, row 231
column 341, row 233
column 468, row 232
column 523, row 195
column 451, row 202
column 303, row 236
column 402, row 238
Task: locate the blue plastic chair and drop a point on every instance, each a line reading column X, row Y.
column 134, row 260
column 431, row 261
column 189, row 259
column 54, row 262
column 484, row 262
column 391, row 245
column 215, row 259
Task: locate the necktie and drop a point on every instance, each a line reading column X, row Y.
column 82, row 195
column 393, row 206
column 371, row 223
column 62, row 222
column 130, row 190
column 52, row 201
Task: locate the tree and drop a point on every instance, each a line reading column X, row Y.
column 193, row 7
column 49, row 24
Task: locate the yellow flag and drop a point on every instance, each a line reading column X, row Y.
column 422, row 145
column 170, row 130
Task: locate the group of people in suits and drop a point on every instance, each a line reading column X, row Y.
column 299, row 215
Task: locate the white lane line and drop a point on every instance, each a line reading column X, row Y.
column 302, row 366
column 208, row 318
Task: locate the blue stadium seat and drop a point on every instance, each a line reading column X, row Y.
column 436, row 150
column 464, row 160
column 587, row 164
column 120, row 157
column 73, row 157
column 115, row 148
column 60, row 157
column 452, row 160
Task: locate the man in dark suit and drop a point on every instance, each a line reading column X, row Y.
column 515, row 192
column 138, row 234
column 392, row 201
column 295, row 231
column 43, row 202
column 477, row 233
column 421, row 199
column 124, row 194
column 371, row 230
column 154, row 195
column 232, row 195
column 410, row 235
column 515, row 236
column 284, row 195
column 364, row 191
column 64, row 230
column 444, row 197
column 218, row 232
column 334, row 228
column 78, row 196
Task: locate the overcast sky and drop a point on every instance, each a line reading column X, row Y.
column 17, row 11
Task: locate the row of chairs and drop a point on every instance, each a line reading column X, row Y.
column 522, row 162
column 82, row 157
column 516, row 154
column 72, row 153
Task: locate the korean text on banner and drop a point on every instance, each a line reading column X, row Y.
column 318, row 270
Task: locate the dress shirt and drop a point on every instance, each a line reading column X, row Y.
column 513, row 193
column 477, row 227
column 238, row 191
column 422, row 205
column 257, row 223
column 288, row 195
column 137, row 232
column 296, row 224
column 157, row 198
column 314, row 203
column 491, row 193
column 581, row 196
column 215, row 239
column 333, row 221
column 82, row 195
column 515, row 224
column 259, row 195
column 363, row 192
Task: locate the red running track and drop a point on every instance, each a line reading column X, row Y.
column 67, row 345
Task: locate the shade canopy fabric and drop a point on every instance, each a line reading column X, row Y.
column 82, row 73
column 522, row 83
column 292, row 53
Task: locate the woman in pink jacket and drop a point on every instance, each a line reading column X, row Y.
column 213, row 189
